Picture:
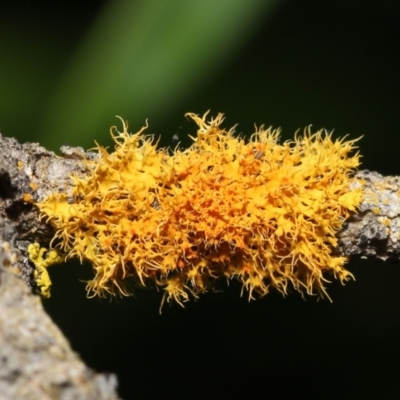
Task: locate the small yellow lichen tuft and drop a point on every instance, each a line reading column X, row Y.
column 262, row 212
column 43, row 258
column 27, row 198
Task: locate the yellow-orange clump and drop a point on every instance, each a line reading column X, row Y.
column 262, row 212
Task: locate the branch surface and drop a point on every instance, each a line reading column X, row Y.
column 36, row 357
column 36, row 360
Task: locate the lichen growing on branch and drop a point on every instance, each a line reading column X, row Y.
column 261, row 212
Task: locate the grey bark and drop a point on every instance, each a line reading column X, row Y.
column 374, row 230
column 36, row 361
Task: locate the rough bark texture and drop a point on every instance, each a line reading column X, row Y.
column 374, row 231
column 36, row 361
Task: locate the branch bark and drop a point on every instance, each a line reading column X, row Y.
column 374, row 231
column 36, row 360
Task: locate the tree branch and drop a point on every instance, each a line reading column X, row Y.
column 36, row 361
column 374, row 231
column 28, row 172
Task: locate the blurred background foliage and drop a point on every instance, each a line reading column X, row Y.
column 66, row 70
column 139, row 59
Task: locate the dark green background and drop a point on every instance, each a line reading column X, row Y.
column 333, row 64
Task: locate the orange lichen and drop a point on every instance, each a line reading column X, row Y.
column 27, row 197
column 262, row 212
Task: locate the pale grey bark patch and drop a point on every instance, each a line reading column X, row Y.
column 36, row 361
